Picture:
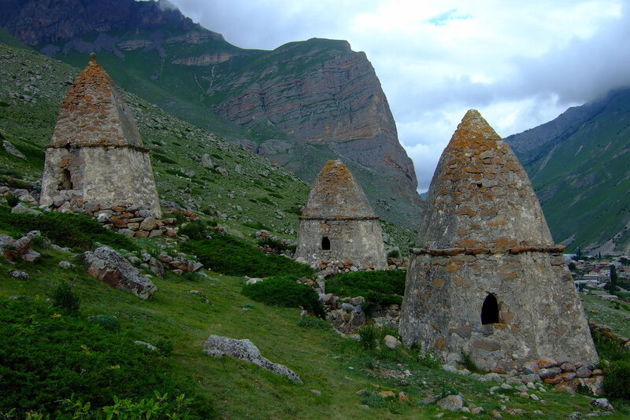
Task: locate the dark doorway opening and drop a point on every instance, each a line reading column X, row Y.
column 66, row 180
column 325, row 243
column 490, row 310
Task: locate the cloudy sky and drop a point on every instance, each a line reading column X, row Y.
column 521, row 63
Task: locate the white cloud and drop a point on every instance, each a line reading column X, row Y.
column 519, row 63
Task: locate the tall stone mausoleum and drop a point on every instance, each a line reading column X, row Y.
column 96, row 153
column 338, row 222
column 488, row 280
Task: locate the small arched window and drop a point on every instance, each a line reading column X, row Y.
column 325, row 243
column 65, row 183
column 490, row 310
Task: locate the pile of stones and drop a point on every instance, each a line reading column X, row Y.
column 387, row 317
column 397, row 263
column 346, row 314
column 22, row 194
column 329, row 268
column 131, row 221
column 569, row 376
column 262, row 235
column 21, row 248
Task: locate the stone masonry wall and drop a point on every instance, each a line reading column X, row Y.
column 540, row 316
column 108, row 176
column 360, row 241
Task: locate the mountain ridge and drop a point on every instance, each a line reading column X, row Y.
column 314, row 97
column 576, row 164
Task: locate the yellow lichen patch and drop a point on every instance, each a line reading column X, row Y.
column 440, row 343
column 465, row 210
column 460, row 281
column 468, row 243
column 505, row 243
column 438, row 282
column 451, row 268
column 509, row 276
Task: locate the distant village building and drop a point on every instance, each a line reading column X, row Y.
column 338, row 222
column 488, row 280
column 96, row 154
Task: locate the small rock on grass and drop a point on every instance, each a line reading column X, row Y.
column 20, row 275
column 145, row 344
column 451, row 402
column 602, row 403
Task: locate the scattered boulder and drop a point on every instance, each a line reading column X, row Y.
column 12, row 150
column 20, row 275
column 451, row 402
column 602, row 403
column 253, row 280
column 391, row 341
column 22, row 209
column 20, row 248
column 66, row 265
column 218, row 346
column 145, row 344
column 109, row 266
column 207, row 162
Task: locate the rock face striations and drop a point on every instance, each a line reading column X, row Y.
column 298, row 105
column 320, row 92
column 36, row 22
column 489, row 281
column 338, row 222
column 96, row 154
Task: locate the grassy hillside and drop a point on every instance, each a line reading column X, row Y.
column 255, row 195
column 255, row 192
column 341, row 378
column 580, row 174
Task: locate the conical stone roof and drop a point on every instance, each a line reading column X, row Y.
column 94, row 113
column 480, row 195
column 337, row 195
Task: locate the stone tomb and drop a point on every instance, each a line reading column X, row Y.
column 488, row 280
column 96, row 154
column 338, row 222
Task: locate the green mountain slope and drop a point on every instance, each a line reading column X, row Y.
column 578, row 164
column 255, row 194
column 298, row 104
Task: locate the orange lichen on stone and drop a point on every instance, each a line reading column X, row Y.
column 438, row 282
column 94, row 113
column 336, row 194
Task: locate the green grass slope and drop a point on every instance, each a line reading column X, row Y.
column 254, row 193
column 581, row 174
column 341, row 379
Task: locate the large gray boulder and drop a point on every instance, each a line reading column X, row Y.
column 109, row 266
column 218, row 346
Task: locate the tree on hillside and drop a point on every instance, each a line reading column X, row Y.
column 613, row 279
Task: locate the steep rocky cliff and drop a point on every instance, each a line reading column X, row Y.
column 319, row 92
column 299, row 105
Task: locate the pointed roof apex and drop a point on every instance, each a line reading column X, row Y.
column 337, row 195
column 472, row 130
column 94, row 113
column 480, row 195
